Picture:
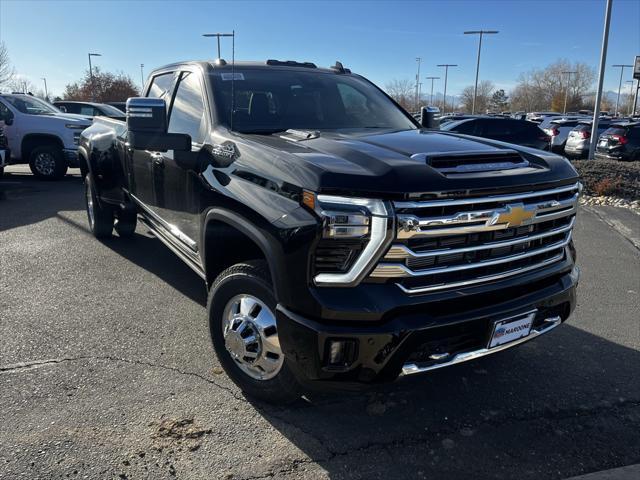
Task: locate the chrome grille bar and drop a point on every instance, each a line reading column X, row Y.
column 399, row 270
column 488, row 199
column 482, row 220
column 401, row 252
column 440, row 248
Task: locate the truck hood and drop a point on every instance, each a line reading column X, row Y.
column 389, row 164
column 72, row 118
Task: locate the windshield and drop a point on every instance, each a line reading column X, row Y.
column 268, row 101
column 31, row 105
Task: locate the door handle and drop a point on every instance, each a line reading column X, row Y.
column 158, row 158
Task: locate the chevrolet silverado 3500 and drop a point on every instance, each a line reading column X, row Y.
column 341, row 242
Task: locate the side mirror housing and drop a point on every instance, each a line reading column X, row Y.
column 147, row 127
column 428, row 117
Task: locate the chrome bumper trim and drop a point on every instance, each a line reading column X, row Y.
column 550, row 324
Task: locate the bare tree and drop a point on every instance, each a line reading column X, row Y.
column 544, row 89
column 402, row 91
column 21, row 84
column 485, row 90
column 6, row 70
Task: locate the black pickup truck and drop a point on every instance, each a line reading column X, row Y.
column 341, row 241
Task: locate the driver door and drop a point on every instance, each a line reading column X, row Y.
column 142, row 182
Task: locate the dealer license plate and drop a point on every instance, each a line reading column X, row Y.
column 510, row 329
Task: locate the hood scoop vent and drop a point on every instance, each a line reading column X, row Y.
column 300, row 135
column 469, row 161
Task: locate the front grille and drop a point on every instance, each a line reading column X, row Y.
column 453, row 243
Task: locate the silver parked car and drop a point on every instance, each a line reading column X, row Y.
column 558, row 129
column 577, row 145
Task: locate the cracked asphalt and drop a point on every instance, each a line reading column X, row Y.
column 106, row 371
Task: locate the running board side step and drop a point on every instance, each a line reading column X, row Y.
column 548, row 325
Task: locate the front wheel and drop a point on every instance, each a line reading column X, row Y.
column 244, row 333
column 48, row 163
column 100, row 217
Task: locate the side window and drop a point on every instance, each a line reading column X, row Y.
column 5, row 113
column 495, row 128
column 187, row 113
column 467, row 128
column 161, row 86
column 86, row 110
column 72, row 108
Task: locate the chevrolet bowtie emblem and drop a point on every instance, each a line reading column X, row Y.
column 512, row 215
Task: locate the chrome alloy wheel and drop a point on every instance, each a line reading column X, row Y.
column 45, row 164
column 90, row 211
column 251, row 337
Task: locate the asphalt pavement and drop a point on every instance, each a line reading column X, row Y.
column 106, row 371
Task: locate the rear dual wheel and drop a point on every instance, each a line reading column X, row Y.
column 103, row 218
column 100, row 216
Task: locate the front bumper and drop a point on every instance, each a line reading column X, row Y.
column 416, row 341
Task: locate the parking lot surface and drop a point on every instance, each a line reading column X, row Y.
column 106, row 371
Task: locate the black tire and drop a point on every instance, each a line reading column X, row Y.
column 125, row 224
column 250, row 278
column 47, row 162
column 100, row 217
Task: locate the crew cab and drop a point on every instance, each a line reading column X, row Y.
column 340, row 240
column 41, row 135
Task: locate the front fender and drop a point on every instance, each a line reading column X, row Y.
column 262, row 235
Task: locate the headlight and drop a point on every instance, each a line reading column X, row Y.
column 355, row 233
column 75, row 126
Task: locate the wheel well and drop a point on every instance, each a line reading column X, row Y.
column 30, row 142
column 225, row 246
column 83, row 164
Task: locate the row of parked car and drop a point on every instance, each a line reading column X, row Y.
column 44, row 135
column 569, row 135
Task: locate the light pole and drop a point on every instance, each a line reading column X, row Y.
column 419, row 60
column 218, row 35
column 630, row 82
column 432, row 79
column 603, row 61
column 475, row 89
column 142, row 76
column 566, row 92
column 446, row 74
column 46, row 92
column 93, row 93
column 621, row 67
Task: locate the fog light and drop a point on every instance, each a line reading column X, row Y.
column 341, row 352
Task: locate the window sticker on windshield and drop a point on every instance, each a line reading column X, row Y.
column 232, row 76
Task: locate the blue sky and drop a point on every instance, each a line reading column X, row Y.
column 376, row 38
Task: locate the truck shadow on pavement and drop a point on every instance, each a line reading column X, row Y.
column 46, row 198
column 559, row 406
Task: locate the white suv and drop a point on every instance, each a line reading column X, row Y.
column 41, row 135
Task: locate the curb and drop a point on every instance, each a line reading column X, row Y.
column 630, row 472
